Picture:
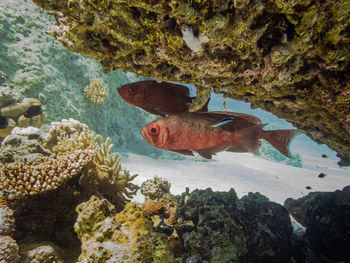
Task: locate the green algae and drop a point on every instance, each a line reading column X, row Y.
column 288, row 57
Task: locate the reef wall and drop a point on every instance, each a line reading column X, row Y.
column 288, row 57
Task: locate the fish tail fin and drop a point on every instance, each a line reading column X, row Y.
column 280, row 139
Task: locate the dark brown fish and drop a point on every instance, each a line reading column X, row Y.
column 33, row 111
column 3, row 122
column 212, row 132
column 158, row 98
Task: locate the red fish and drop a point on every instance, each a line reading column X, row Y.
column 210, row 132
column 158, row 98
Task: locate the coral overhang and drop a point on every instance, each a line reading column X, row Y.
column 288, row 57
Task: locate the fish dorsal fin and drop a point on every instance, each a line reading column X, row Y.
column 179, row 88
column 221, row 122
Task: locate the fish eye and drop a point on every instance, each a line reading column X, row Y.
column 154, row 130
column 132, row 90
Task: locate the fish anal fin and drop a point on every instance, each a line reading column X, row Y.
column 280, row 139
column 207, row 153
column 184, row 152
column 204, row 153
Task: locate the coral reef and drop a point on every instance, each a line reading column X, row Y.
column 288, row 57
column 42, row 175
column 41, row 68
column 40, row 253
column 61, row 130
column 64, row 167
column 22, row 145
column 155, row 188
column 105, row 176
column 18, row 112
column 8, row 250
column 95, row 92
column 218, row 227
column 125, row 237
column 7, row 221
column 326, row 218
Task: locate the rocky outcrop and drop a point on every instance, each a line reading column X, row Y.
column 288, row 57
column 326, row 218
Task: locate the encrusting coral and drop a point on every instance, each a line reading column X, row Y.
column 126, row 237
column 95, row 91
column 288, row 57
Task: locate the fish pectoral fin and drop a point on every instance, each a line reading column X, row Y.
column 222, row 122
column 184, row 152
column 207, row 153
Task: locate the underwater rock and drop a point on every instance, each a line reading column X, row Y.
column 124, row 237
column 155, row 188
column 288, row 57
column 326, row 216
column 40, row 253
column 218, row 227
column 7, row 221
column 8, row 250
column 3, row 78
column 8, row 96
column 151, row 207
column 24, row 144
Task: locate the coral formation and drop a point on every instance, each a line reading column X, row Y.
column 63, row 129
column 40, row 253
column 125, row 237
column 16, row 111
column 288, row 57
column 22, row 145
column 105, row 176
column 44, row 174
column 326, row 218
column 8, row 250
column 155, row 188
column 7, row 221
column 95, row 92
column 218, row 227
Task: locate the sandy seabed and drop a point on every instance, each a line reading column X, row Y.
column 243, row 172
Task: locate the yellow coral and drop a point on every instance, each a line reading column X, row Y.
column 106, row 174
column 43, row 174
column 95, row 92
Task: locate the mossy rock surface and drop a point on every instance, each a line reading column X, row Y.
column 288, row 57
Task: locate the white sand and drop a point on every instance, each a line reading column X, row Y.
column 243, row 172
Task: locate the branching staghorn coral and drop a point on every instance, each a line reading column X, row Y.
column 108, row 177
column 95, row 92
